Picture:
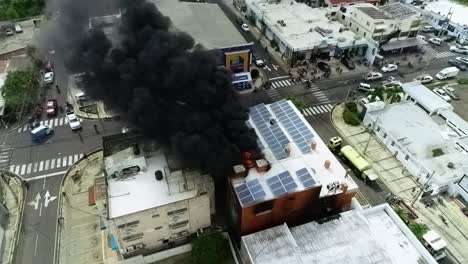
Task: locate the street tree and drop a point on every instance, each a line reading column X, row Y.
column 19, row 89
column 210, row 248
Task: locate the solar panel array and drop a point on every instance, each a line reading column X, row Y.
column 272, row 133
column 296, row 128
column 281, row 184
column 305, row 178
column 250, row 192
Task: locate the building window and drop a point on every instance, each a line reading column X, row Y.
column 357, row 29
column 155, row 215
column 406, row 157
column 263, row 207
column 133, row 237
column 343, row 17
column 368, row 23
column 179, row 224
column 350, row 24
column 129, row 224
column 178, row 211
column 385, row 135
column 378, row 129
column 413, row 34
column 393, row 143
column 364, row 34
column 157, row 228
column 404, row 34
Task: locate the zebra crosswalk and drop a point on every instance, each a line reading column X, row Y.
column 45, row 165
column 59, row 121
column 5, row 154
column 317, row 93
column 282, row 83
column 317, row 109
column 444, row 54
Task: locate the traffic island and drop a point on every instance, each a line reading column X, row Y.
column 12, row 198
column 406, row 188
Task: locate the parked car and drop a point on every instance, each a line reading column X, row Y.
column 259, row 62
column 458, row 64
column 18, row 28
column 371, row 76
column 424, row 78
column 459, row 49
column 451, row 92
column 73, row 121
column 9, row 32
column 51, row 107
column 449, row 38
column 323, row 66
column 450, row 72
column 389, row 68
column 436, row 41
column 463, row 60
column 428, row 29
column 442, row 94
column 245, row 27
column 365, row 87
column 368, row 99
column 49, row 77
column 348, row 62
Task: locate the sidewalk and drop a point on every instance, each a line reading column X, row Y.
column 80, row 239
column 95, row 111
column 392, row 174
column 12, row 194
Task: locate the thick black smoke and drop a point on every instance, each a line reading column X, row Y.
column 167, row 86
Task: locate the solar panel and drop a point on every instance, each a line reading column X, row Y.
column 281, row 183
column 293, row 124
column 272, row 133
column 250, row 191
column 305, row 178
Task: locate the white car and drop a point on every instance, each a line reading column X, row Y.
column 389, row 68
column 73, row 121
column 373, row 76
column 442, row 94
column 18, row 28
column 436, row 41
column 425, row 78
column 459, row 49
column 462, row 60
column 259, row 62
column 245, row 27
column 367, row 100
column 49, row 77
column 9, row 32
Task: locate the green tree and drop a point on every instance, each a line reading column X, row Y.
column 403, row 215
column 378, row 92
column 297, row 102
column 418, row 229
column 210, row 249
column 19, row 89
column 393, row 94
column 254, row 73
column 11, row 12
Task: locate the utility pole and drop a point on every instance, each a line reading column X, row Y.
column 422, row 189
column 370, row 135
column 446, row 23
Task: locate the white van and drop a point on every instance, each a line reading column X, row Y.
column 446, row 73
column 365, row 87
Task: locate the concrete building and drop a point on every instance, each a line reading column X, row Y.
column 430, row 140
column 151, row 203
column 298, row 180
column 301, row 32
column 449, row 15
column 392, row 27
column 359, row 236
column 210, row 27
column 339, row 3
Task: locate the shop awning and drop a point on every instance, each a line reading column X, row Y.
column 400, row 44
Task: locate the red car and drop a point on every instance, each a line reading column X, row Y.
column 52, row 107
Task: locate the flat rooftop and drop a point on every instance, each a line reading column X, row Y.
column 429, row 100
column 442, row 7
column 420, row 133
column 281, row 129
column 374, row 235
column 304, row 27
column 373, row 12
column 205, row 22
column 18, row 41
column 399, row 10
column 141, row 191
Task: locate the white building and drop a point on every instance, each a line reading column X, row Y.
column 393, row 26
column 435, row 12
column 149, row 205
column 302, row 32
column 430, row 140
column 359, row 236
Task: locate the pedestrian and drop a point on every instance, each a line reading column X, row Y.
column 81, row 137
column 96, row 128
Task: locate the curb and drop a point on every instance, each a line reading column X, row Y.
column 60, row 205
column 20, row 221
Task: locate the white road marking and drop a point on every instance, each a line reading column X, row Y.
column 70, row 160
column 28, row 170
column 35, row 245
column 76, row 158
column 56, row 122
column 52, row 164
column 280, row 77
column 17, row 169
column 40, row 210
column 81, row 155
column 41, row 165
column 46, row 176
column 35, row 167
column 46, row 164
column 64, row 161
column 59, row 164
column 313, row 111
column 275, row 85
